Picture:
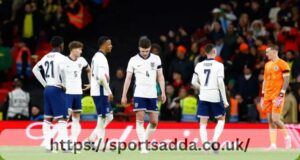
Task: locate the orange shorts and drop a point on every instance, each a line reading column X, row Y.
column 269, row 107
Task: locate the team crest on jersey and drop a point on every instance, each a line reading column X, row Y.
column 152, row 64
column 79, row 65
column 276, row 68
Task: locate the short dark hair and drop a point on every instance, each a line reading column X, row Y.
column 75, row 44
column 56, row 41
column 102, row 40
column 17, row 83
column 208, row 48
column 144, row 42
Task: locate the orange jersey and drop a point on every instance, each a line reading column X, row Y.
column 273, row 78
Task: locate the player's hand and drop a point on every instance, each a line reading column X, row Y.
column 163, row 98
column 110, row 97
column 86, row 87
column 278, row 100
column 62, row 87
column 262, row 103
column 226, row 104
column 124, row 101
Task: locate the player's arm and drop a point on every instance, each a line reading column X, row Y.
column 161, row 81
column 89, row 74
column 37, row 73
column 279, row 100
column 222, row 90
column 195, row 80
column 62, row 74
column 130, row 71
column 221, row 86
column 126, row 87
column 102, row 79
column 99, row 73
column 263, row 89
column 286, row 79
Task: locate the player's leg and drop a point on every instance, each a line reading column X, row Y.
column 152, row 108
column 203, row 113
column 76, row 110
column 272, row 132
column 106, row 110
column 219, row 128
column 140, row 130
column 203, row 130
column 60, row 115
column 151, row 127
column 139, row 108
column 218, row 112
column 100, row 120
column 272, row 126
column 48, row 116
column 105, row 116
column 276, row 114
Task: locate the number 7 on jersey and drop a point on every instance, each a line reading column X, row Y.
column 207, row 72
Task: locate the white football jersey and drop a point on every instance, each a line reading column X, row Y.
column 208, row 72
column 145, row 71
column 99, row 62
column 72, row 73
column 51, row 64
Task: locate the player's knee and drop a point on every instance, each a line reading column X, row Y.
column 153, row 123
column 276, row 121
column 221, row 118
column 76, row 115
column 110, row 117
column 140, row 115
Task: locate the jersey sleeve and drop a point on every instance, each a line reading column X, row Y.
column 284, row 67
column 94, row 66
column 40, row 63
column 221, row 71
column 130, row 67
column 159, row 65
column 84, row 63
column 196, row 69
column 61, row 63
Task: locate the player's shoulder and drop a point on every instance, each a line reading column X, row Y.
column 97, row 54
column 60, row 57
column 81, row 59
column 199, row 64
column 219, row 64
column 154, row 56
column 134, row 58
column 281, row 61
column 268, row 63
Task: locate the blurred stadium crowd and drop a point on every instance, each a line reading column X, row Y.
column 241, row 31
